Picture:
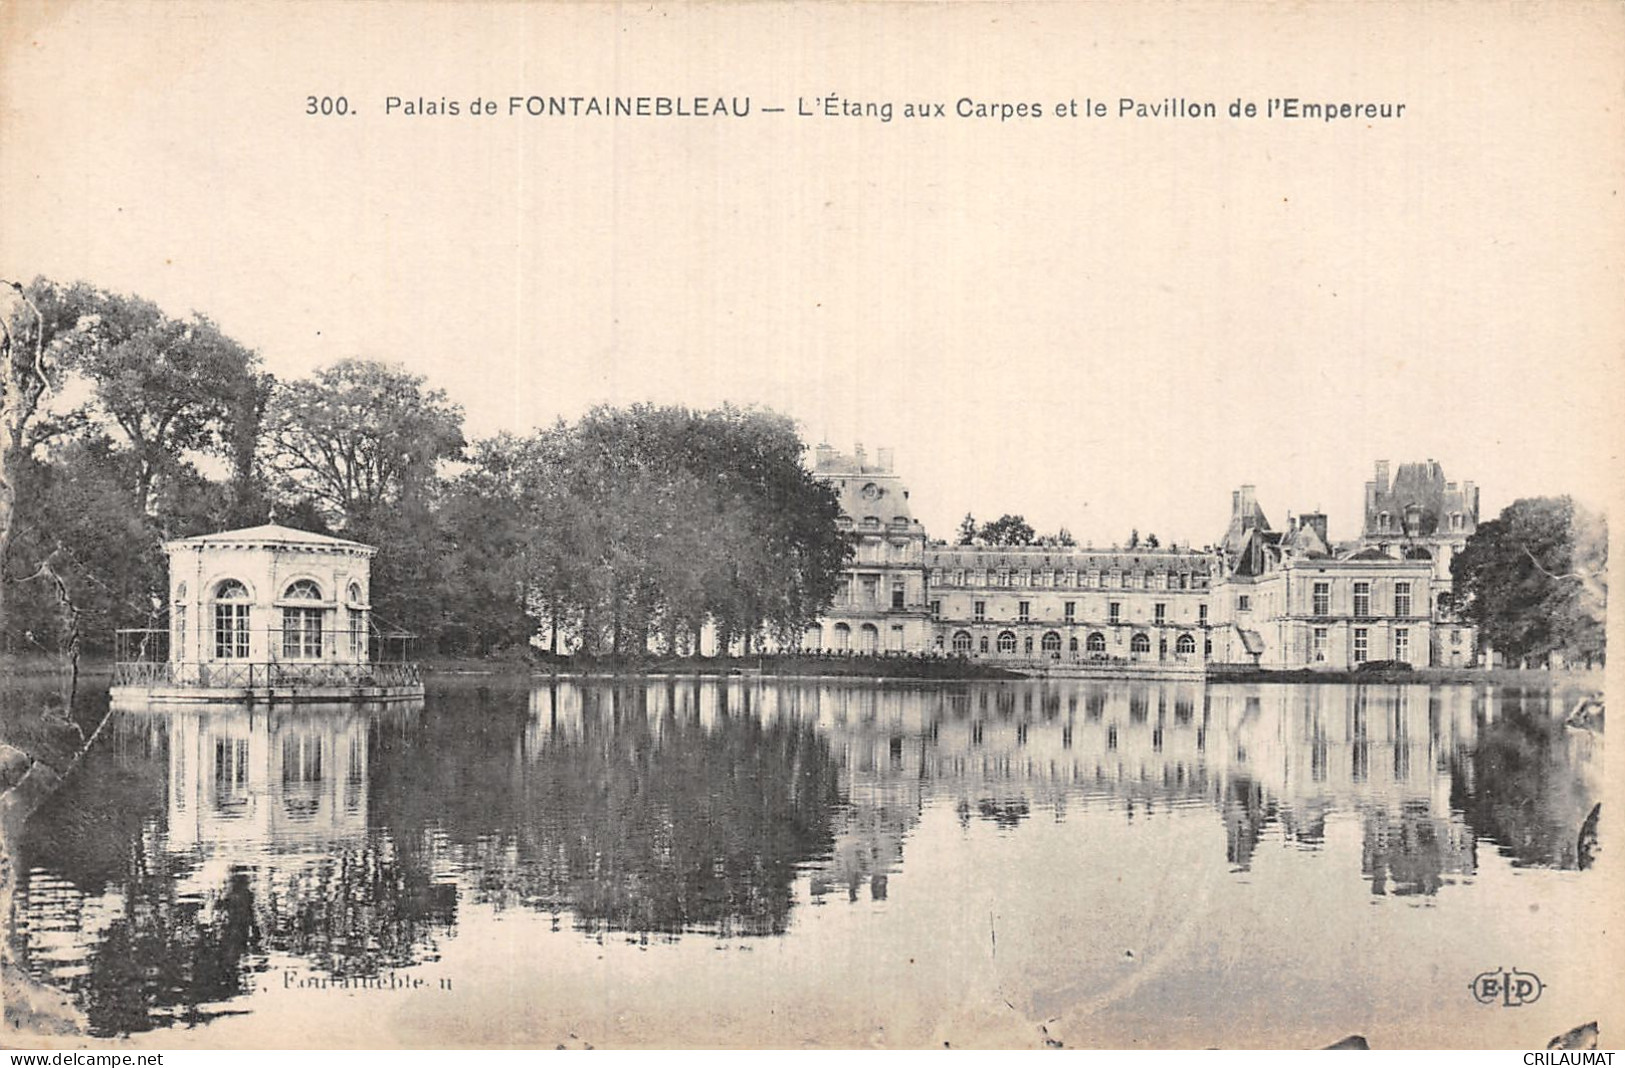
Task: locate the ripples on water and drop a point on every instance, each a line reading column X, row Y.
column 198, row 851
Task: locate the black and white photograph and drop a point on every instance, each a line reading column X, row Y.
column 791, row 525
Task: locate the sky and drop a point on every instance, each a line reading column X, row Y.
column 1100, row 323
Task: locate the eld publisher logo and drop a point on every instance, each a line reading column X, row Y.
column 1508, row 988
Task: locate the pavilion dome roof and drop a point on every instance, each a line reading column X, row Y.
column 272, row 534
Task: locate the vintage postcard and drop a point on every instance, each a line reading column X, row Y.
column 790, row 524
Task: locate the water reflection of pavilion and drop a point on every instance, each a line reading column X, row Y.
column 264, row 846
column 248, row 783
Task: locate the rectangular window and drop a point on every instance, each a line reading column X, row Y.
column 358, row 646
column 1201, row 613
column 1024, row 610
column 1160, row 612
column 231, row 632
column 1402, row 644
column 1126, row 579
column 871, row 589
column 1094, row 580
column 980, row 610
column 1115, row 611
column 936, row 608
column 1244, row 602
column 1362, row 599
column 1402, row 599
column 959, row 577
column 1320, row 645
column 1360, row 645
column 179, row 652
column 1071, row 611
column 1148, row 580
column 301, row 633
column 897, row 595
column 1323, row 599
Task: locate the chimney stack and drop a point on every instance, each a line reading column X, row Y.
column 1316, row 521
column 859, row 455
column 1382, row 476
column 885, row 459
column 823, row 458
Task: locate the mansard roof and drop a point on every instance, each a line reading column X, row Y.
column 1070, row 558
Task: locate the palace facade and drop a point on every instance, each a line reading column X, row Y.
column 1262, row 597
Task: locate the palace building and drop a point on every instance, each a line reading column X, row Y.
column 881, row 603
column 1279, row 599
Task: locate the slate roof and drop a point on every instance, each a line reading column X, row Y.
column 271, row 534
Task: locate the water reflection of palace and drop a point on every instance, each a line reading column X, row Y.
column 1398, row 758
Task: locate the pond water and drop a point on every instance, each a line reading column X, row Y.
column 786, row 863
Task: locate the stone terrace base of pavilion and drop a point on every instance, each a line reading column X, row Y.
column 131, row 698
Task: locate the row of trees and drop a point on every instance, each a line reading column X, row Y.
column 1015, row 530
column 125, row 427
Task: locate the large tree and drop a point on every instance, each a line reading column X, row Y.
column 359, row 435
column 110, row 408
column 164, row 390
column 1535, row 580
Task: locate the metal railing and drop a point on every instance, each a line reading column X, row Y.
column 142, row 659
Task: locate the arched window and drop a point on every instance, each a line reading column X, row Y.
column 1007, row 641
column 1052, row 642
column 303, row 590
column 180, row 593
column 962, row 641
column 354, row 593
column 1072, row 645
column 1027, row 645
column 813, row 639
column 1096, row 642
column 869, row 638
column 1186, row 645
column 1140, row 643
column 231, row 615
column 843, row 637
